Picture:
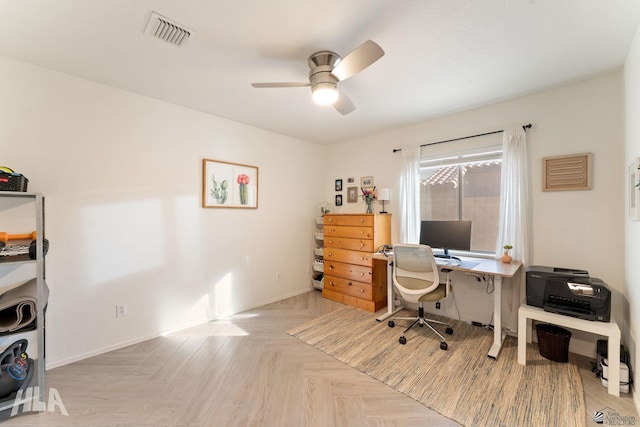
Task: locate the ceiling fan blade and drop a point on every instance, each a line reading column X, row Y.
column 291, row 84
column 344, row 104
column 359, row 59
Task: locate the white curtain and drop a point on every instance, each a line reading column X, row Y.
column 410, row 195
column 514, row 218
column 514, row 197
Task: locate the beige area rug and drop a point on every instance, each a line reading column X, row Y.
column 461, row 383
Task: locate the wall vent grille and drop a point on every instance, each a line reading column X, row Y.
column 167, row 30
column 563, row 173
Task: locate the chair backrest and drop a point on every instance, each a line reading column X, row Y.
column 415, row 272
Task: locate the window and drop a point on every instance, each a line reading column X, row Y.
column 464, row 185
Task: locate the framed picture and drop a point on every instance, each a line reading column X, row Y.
column 338, row 185
column 351, row 180
column 339, row 200
column 229, row 185
column 634, row 190
column 352, row 194
column 366, row 182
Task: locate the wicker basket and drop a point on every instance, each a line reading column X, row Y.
column 13, row 182
column 553, row 342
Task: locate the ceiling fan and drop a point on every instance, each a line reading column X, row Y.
column 328, row 70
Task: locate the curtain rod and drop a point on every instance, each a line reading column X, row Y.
column 524, row 127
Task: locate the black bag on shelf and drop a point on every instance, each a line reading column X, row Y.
column 16, row 369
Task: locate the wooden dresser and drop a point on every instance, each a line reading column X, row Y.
column 351, row 275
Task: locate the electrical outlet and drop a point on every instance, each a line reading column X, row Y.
column 438, row 305
column 121, row 310
column 277, row 276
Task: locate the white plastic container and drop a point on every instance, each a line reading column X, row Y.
column 624, row 375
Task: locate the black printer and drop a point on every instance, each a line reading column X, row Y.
column 567, row 291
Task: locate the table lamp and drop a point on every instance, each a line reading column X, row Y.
column 383, row 196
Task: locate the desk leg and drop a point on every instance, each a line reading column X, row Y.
column 498, row 335
column 613, row 357
column 522, row 338
column 390, row 296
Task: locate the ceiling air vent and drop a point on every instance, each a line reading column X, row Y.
column 167, row 30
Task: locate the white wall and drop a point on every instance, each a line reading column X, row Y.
column 122, row 177
column 632, row 228
column 573, row 229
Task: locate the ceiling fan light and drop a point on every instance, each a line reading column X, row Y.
column 325, row 93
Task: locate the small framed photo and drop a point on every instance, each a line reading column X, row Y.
column 338, row 185
column 351, row 180
column 339, row 200
column 352, row 194
column 366, row 182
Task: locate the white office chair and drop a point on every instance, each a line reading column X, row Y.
column 415, row 276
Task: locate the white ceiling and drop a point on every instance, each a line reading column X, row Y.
column 441, row 56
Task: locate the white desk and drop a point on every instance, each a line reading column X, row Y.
column 610, row 329
column 496, row 269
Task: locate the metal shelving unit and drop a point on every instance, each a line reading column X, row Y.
column 317, row 278
column 22, row 209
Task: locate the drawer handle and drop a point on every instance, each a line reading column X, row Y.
column 331, row 267
column 362, row 291
column 330, row 219
column 350, row 284
column 361, row 220
column 332, row 284
column 362, row 244
column 362, row 274
column 361, row 232
column 331, row 242
column 330, row 254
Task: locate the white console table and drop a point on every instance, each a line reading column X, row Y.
column 610, row 329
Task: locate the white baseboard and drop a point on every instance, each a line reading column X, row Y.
column 82, row 356
column 68, row 360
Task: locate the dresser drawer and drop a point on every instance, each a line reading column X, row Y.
column 348, row 271
column 348, row 257
column 348, row 287
column 363, row 245
column 348, row 231
column 363, row 304
column 362, row 220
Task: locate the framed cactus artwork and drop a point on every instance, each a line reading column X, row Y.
column 229, row 185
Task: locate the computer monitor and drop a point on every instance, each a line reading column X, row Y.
column 446, row 235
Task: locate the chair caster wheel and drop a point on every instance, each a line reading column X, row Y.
column 403, row 340
column 391, row 323
column 449, row 331
column 443, row 346
column 421, row 325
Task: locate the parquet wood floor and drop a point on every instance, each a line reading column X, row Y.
column 244, row 371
